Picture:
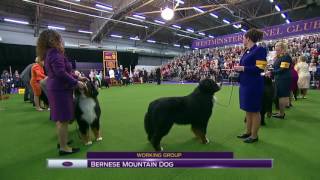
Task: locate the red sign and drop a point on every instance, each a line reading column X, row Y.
column 110, row 59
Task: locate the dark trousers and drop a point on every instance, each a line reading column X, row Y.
column 295, row 94
column 276, row 103
column 28, row 94
column 126, row 81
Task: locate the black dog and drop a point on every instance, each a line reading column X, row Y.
column 87, row 112
column 194, row 109
column 268, row 94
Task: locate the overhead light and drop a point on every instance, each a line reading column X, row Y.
column 190, row 30
column 288, row 21
column 214, row 15
column 186, row 36
column 135, row 38
column 271, row 1
column 167, row 14
column 198, row 10
column 66, row 44
column 57, row 28
column 16, row 21
column 176, row 45
column 243, row 30
column 151, row 41
column 226, row 21
column 115, row 36
column 86, row 32
column 210, row 36
column 137, row 19
column 187, row 47
column 159, row 22
column 179, row 1
column 104, row 7
column 283, row 15
column 146, row 27
column 238, row 26
column 196, row 48
column 139, row 16
column 176, row 26
column 201, row 33
column 277, row 8
column 0, row 38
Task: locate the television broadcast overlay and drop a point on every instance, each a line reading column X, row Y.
column 160, row 160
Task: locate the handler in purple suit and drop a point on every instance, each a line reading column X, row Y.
column 60, row 85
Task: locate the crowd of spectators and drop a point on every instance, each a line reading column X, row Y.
column 219, row 62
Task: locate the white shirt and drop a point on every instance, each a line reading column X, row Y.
column 302, row 69
column 111, row 73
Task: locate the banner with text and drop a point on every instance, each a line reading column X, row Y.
column 273, row 32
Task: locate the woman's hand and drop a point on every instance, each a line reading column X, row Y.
column 238, row 68
column 81, row 85
column 268, row 74
column 83, row 79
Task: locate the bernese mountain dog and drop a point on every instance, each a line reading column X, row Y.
column 87, row 112
column 194, row 109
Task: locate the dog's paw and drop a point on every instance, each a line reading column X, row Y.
column 205, row 141
column 99, row 139
column 160, row 148
column 88, row 143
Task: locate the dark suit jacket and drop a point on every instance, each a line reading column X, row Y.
column 26, row 74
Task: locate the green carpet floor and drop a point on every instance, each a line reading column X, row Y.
column 28, row 138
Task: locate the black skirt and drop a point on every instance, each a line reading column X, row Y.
column 283, row 87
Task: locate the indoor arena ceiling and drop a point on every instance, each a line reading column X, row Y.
column 141, row 20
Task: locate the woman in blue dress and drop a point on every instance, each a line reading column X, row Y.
column 282, row 76
column 252, row 64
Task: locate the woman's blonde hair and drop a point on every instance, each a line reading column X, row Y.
column 48, row 39
column 283, row 46
column 302, row 58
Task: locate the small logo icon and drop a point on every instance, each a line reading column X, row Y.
column 67, row 163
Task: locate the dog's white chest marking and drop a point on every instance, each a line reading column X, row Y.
column 87, row 107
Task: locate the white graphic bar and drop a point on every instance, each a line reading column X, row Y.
column 67, row 163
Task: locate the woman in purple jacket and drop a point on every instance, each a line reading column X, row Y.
column 60, row 85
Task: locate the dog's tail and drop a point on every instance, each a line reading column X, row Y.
column 148, row 125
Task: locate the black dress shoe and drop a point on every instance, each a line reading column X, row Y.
column 251, row 140
column 243, row 136
column 63, row 153
column 279, row 116
column 68, row 143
